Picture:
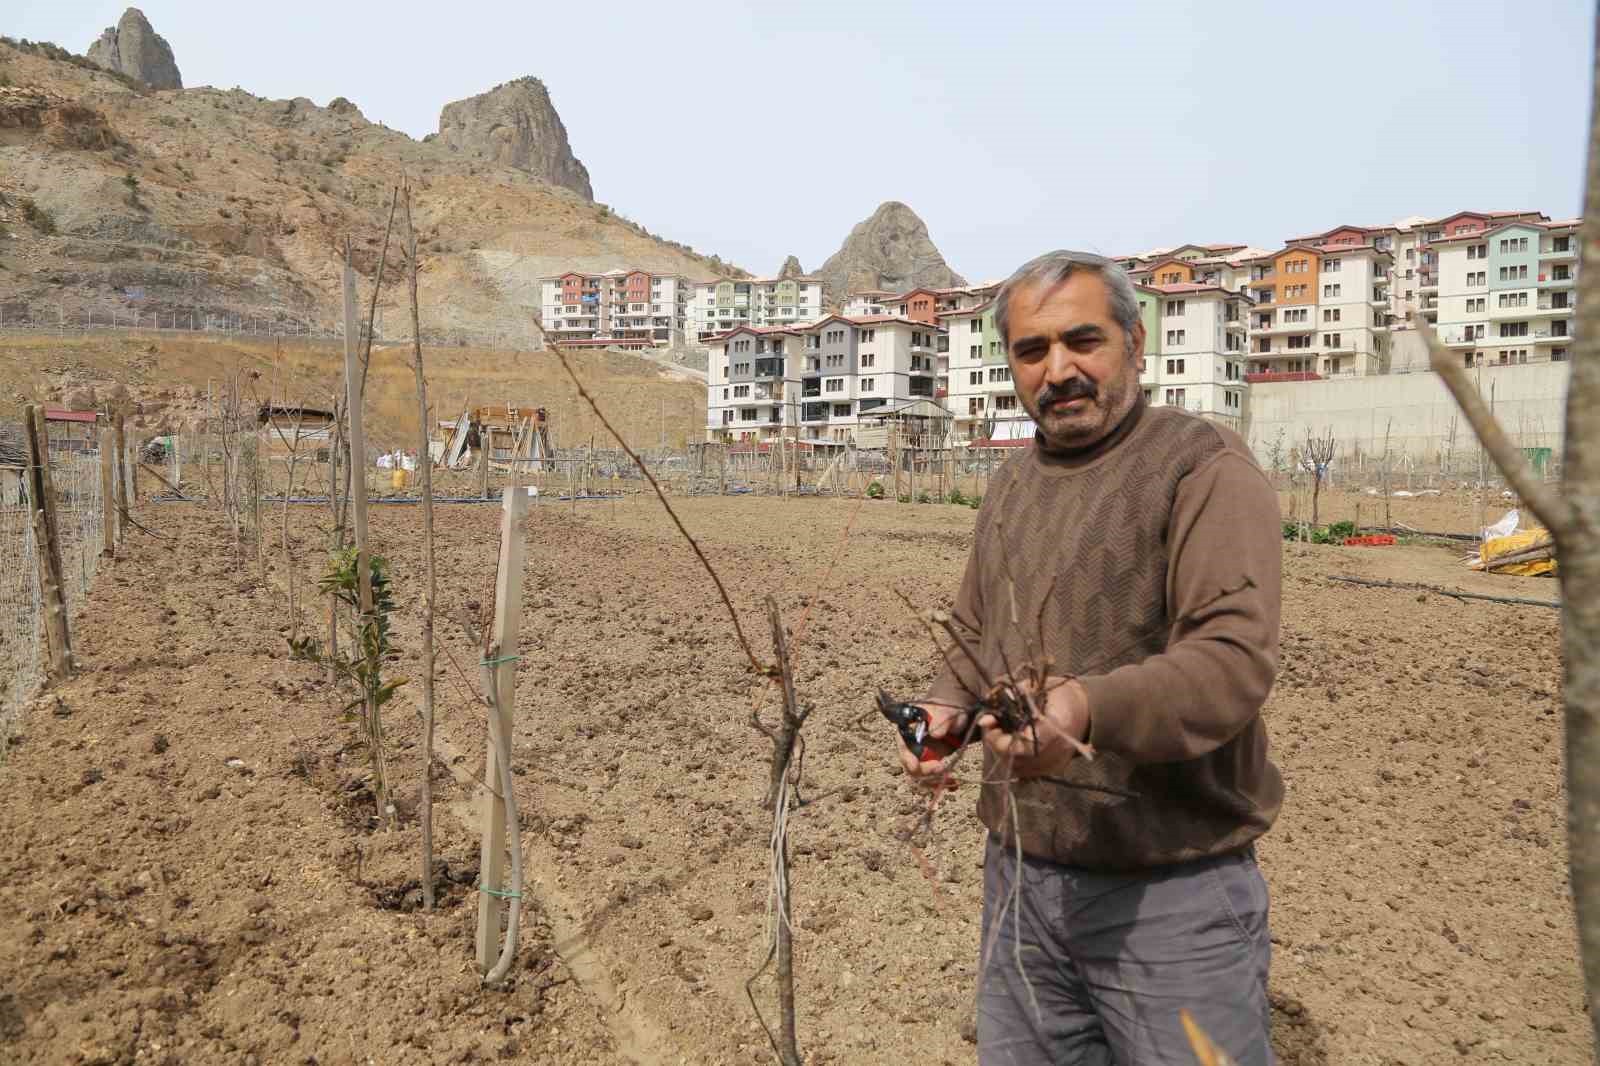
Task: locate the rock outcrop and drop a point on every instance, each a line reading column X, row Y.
column 791, row 269
column 891, row 250
column 134, row 48
column 515, row 124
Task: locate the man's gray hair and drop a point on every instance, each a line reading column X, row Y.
column 1051, row 269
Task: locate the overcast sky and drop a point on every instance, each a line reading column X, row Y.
column 1011, row 126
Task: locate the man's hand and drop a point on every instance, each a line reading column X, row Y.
column 945, row 723
column 1045, row 748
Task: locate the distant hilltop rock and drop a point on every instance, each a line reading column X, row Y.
column 134, row 48
column 515, row 124
column 891, row 250
column 791, row 269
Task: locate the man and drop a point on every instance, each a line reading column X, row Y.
column 1135, row 552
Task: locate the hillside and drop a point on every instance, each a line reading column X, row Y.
column 116, row 196
column 166, row 378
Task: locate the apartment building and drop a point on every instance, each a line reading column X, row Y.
column 1505, row 295
column 632, row 309
column 813, row 382
column 869, row 302
column 1223, row 265
column 1320, row 311
column 977, row 378
column 720, row 305
column 1196, row 345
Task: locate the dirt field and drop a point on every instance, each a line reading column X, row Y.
column 160, row 904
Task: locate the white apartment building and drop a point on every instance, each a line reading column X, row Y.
column 720, row 305
column 977, row 378
column 632, row 309
column 1506, row 295
column 869, row 303
column 1320, row 311
column 813, row 382
column 1196, row 349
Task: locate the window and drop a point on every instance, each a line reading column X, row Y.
column 868, row 359
column 1174, row 366
column 833, row 385
column 741, row 392
column 1175, row 397
column 1558, row 355
column 975, row 377
column 1513, row 244
column 1513, row 299
column 1476, row 304
column 1005, row 403
column 1330, row 290
column 1514, row 273
column 1174, row 307
column 1330, row 340
column 869, row 384
column 1331, row 266
column 1175, row 336
column 868, row 335
column 748, row 414
column 999, row 373
column 1300, row 341
column 1173, row 278
column 842, row 410
column 977, row 325
column 1296, row 314
column 1331, row 314
column 1513, row 329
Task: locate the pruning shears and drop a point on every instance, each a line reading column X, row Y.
column 912, row 722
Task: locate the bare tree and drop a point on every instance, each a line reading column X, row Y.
column 1572, row 514
column 1316, row 454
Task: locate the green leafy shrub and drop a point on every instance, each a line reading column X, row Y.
column 875, row 490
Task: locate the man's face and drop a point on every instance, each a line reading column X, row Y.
column 1069, row 360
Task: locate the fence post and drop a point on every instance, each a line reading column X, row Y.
column 108, row 529
column 41, row 496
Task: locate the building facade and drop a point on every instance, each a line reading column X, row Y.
column 813, row 382
column 631, row 309
column 1506, row 295
column 721, row 305
column 1320, row 311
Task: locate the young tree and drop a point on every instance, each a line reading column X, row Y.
column 1316, row 455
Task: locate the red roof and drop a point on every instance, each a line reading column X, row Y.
column 1281, row 375
column 57, row 414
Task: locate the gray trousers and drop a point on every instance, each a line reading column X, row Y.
column 1107, row 960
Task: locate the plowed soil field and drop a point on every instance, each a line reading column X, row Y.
column 191, row 870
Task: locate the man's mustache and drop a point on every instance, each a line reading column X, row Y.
column 1072, row 389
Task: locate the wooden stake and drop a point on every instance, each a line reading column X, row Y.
column 108, row 480
column 503, row 645
column 41, row 497
column 425, row 466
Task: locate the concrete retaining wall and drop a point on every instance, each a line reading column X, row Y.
column 1530, row 401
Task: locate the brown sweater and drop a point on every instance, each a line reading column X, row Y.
column 1163, row 543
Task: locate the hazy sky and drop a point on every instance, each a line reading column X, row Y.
column 1011, row 126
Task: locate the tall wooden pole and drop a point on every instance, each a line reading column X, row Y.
column 500, row 667
column 41, row 497
column 425, row 466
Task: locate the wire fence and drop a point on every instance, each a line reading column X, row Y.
column 80, row 516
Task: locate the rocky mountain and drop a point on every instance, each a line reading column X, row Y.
column 890, row 250
column 516, row 125
column 134, row 48
column 118, row 200
column 791, row 269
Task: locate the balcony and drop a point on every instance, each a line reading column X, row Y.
column 1458, row 338
column 1568, row 255
column 1286, row 328
column 1550, row 281
column 1550, row 336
